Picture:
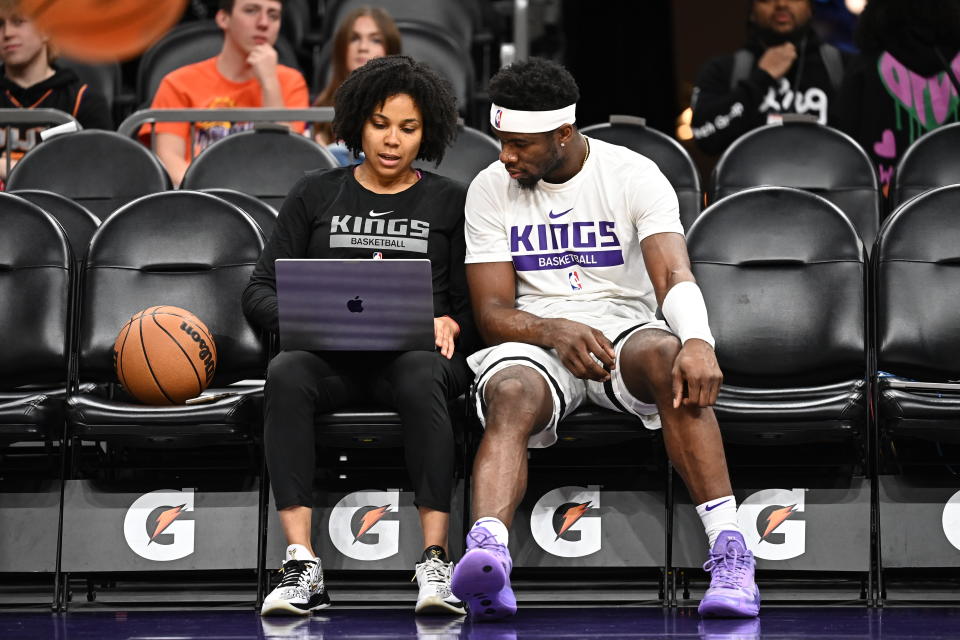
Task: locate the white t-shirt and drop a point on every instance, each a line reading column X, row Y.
column 575, row 246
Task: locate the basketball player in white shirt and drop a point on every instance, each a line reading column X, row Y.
column 572, row 244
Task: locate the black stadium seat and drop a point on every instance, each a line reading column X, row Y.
column 784, row 278
column 263, row 214
column 470, row 154
column 930, row 162
column 917, row 333
column 101, row 170
column 675, row 163
column 264, row 163
column 76, row 220
column 36, row 277
column 185, row 44
column 807, row 156
column 186, row 249
column 448, row 16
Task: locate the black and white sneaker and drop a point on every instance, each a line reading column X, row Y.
column 433, row 577
column 301, row 588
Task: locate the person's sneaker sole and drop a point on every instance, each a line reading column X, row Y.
column 480, row 581
column 437, row 606
column 723, row 607
column 283, row 608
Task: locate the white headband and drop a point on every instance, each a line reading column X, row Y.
column 503, row 119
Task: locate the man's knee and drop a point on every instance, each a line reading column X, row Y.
column 288, row 370
column 518, row 392
column 647, row 359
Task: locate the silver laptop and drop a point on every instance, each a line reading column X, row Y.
column 355, row 305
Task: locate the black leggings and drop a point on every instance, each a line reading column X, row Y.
column 417, row 384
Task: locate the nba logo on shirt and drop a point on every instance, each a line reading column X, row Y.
column 378, row 255
column 496, row 118
column 574, row 278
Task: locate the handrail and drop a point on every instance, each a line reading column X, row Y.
column 10, row 118
column 259, row 114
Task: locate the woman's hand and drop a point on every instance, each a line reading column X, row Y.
column 445, row 331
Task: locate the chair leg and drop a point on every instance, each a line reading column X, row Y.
column 263, row 506
column 669, row 582
column 59, row 603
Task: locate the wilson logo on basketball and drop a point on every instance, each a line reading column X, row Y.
column 164, row 355
column 209, row 365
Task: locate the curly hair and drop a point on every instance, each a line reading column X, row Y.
column 369, row 87
column 536, row 84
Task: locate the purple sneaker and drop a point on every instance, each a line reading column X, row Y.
column 482, row 578
column 732, row 592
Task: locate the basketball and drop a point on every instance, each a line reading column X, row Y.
column 164, row 355
column 98, row 31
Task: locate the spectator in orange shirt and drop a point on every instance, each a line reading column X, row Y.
column 244, row 74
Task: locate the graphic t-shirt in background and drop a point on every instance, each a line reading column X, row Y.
column 328, row 214
column 202, row 86
column 575, row 246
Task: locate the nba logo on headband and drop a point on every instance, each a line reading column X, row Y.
column 531, row 121
column 497, row 118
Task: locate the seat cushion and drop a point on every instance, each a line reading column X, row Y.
column 928, row 415
column 32, row 416
column 594, row 426
column 94, row 416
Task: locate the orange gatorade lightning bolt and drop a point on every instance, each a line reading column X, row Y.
column 165, row 519
column 572, row 515
column 776, row 519
column 369, row 519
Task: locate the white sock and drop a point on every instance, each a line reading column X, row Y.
column 719, row 514
column 298, row 552
column 496, row 527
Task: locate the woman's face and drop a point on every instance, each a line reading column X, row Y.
column 366, row 43
column 392, row 135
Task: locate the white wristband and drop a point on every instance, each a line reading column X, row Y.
column 686, row 313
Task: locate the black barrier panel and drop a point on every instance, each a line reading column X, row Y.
column 111, row 528
column 28, row 528
column 919, row 523
column 367, row 529
column 583, row 526
column 805, row 529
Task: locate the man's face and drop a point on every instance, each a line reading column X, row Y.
column 20, row 42
column 781, row 16
column 251, row 23
column 528, row 157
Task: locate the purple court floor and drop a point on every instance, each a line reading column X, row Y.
column 554, row 623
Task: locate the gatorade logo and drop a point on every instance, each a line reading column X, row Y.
column 365, row 525
column 772, row 523
column 951, row 520
column 157, row 528
column 566, row 522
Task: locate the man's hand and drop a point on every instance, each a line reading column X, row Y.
column 696, row 371
column 579, row 348
column 263, row 61
column 445, row 331
column 777, row 60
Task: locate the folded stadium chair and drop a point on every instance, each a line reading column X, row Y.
column 917, row 306
column 675, row 163
column 185, row 249
column 100, row 170
column 783, row 274
column 263, row 214
column 451, row 17
column 821, row 160
column 930, row 162
column 77, row 221
column 433, row 47
column 185, row 44
column 264, row 163
column 36, row 280
column 470, row 154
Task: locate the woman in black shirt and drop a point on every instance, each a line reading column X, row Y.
column 396, row 111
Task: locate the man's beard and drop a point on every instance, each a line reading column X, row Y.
column 555, row 162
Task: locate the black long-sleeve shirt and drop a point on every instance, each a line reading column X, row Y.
column 328, row 214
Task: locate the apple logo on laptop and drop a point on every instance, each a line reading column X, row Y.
column 355, row 305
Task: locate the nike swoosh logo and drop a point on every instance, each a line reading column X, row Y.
column 381, row 213
column 711, row 507
column 562, row 213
